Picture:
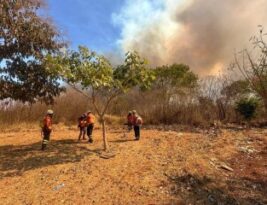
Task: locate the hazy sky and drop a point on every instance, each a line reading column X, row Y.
column 201, row 33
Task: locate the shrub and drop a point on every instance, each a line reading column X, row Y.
column 247, row 107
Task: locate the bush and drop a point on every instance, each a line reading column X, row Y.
column 247, row 107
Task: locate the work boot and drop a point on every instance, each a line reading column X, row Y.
column 43, row 146
column 90, row 140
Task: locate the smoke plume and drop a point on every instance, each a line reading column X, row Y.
column 201, row 33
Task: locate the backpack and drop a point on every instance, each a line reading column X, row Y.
column 139, row 120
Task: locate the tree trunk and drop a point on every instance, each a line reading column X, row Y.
column 221, row 109
column 105, row 141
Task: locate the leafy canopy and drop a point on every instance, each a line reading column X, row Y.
column 25, row 39
column 90, row 70
column 175, row 77
column 237, row 89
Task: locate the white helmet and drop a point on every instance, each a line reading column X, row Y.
column 50, row 112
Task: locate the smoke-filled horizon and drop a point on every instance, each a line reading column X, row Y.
column 201, row 33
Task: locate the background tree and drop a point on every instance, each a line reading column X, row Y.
column 211, row 103
column 171, row 82
column 25, row 38
column 236, row 90
column 253, row 67
column 94, row 76
column 230, row 92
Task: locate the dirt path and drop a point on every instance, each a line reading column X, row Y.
column 164, row 167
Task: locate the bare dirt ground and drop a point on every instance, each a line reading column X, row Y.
column 164, row 167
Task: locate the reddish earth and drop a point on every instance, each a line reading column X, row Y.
column 164, row 167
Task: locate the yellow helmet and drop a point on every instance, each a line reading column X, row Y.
column 50, row 112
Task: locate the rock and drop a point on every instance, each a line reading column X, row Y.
column 247, row 149
column 211, row 199
column 180, row 134
column 211, row 162
column 58, row 187
column 213, row 159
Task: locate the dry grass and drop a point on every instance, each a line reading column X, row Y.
column 17, row 127
column 164, row 167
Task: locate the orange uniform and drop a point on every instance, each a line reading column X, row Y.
column 90, row 126
column 90, row 119
column 137, row 120
column 82, row 123
column 130, row 119
column 47, row 128
column 47, row 123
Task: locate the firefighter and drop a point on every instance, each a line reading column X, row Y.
column 137, row 123
column 130, row 120
column 82, row 122
column 90, row 126
column 47, row 128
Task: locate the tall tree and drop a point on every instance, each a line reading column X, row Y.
column 171, row 81
column 25, row 39
column 93, row 75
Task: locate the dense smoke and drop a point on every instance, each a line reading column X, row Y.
column 201, row 33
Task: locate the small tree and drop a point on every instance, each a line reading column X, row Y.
column 247, row 107
column 94, row 76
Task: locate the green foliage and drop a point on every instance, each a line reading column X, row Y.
column 134, row 72
column 25, row 38
column 236, row 89
column 172, row 82
column 247, row 107
column 82, row 67
column 91, row 70
column 175, row 76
